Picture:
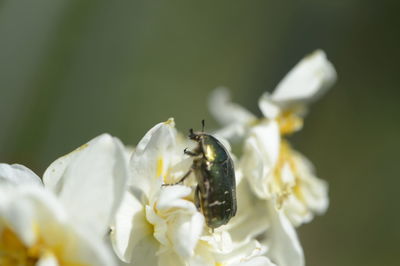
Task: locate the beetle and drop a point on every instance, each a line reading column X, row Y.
column 215, row 193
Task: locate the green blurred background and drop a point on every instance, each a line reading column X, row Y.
column 70, row 70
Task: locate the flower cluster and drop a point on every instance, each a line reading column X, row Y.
column 107, row 204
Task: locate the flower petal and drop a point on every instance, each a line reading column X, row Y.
column 257, row 261
column 241, row 252
column 268, row 107
column 144, row 253
column 315, row 189
column 219, row 249
column 90, row 181
column 261, row 151
column 129, row 228
column 17, row 174
column 233, row 132
column 150, row 158
column 283, row 243
column 311, row 193
column 47, row 260
column 19, row 211
column 36, row 216
column 251, row 219
column 225, row 111
column 169, row 258
column 172, row 197
column 186, row 233
column 308, row 80
column 185, row 223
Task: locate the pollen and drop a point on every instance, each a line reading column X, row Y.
column 14, row 252
column 282, row 189
column 289, row 122
column 170, row 121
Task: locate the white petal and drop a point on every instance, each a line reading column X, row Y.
column 186, row 233
column 170, row 258
column 32, row 213
column 314, row 190
column 151, row 156
column 253, row 167
column 130, row 227
column 227, row 112
column 185, row 223
column 233, row 132
column 251, row 218
column 283, row 243
column 76, row 245
column 257, row 261
column 218, row 249
column 287, row 176
column 309, row 79
column 144, row 253
column 261, row 151
column 90, row 181
column 267, row 135
column 47, row 260
column 87, row 249
column 268, row 107
column 17, row 174
column 241, row 252
column 28, row 207
column 296, row 211
column 160, row 227
column 172, row 197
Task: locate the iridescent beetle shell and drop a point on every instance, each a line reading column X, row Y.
column 216, row 186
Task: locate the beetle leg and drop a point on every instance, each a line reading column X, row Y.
column 181, row 180
column 191, row 153
column 197, row 198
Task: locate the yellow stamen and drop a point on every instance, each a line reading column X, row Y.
column 170, row 121
column 14, row 252
column 289, row 122
column 160, row 168
column 284, row 190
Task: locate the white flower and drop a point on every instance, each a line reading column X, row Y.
column 219, row 249
column 35, row 229
column 282, row 240
column 260, row 217
column 155, row 224
column 274, row 169
column 305, row 83
column 90, row 181
column 16, row 174
column 160, row 225
column 282, row 174
column 38, row 228
column 299, row 192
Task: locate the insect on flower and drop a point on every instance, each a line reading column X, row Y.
column 213, row 167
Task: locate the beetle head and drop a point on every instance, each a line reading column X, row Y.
column 193, row 135
column 197, row 135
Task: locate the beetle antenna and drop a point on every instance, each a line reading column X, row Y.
column 191, row 133
column 202, row 125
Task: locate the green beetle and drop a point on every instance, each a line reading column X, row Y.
column 215, row 193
